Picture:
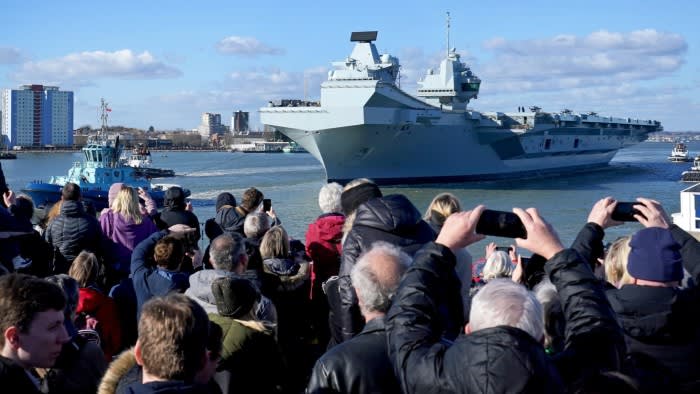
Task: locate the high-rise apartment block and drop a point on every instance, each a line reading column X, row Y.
column 211, row 124
column 239, row 121
column 37, row 115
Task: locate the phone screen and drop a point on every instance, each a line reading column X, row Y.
column 267, row 204
column 625, row 211
column 500, row 224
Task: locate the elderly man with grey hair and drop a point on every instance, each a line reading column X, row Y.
column 361, row 365
column 227, row 254
column 502, row 351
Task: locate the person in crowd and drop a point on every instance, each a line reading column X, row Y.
column 164, row 276
column 502, row 351
column 362, row 365
column 616, row 263
column 73, row 230
column 125, row 226
column 212, row 228
column 172, row 346
column 251, row 361
column 355, row 193
column 177, row 210
column 33, row 334
column 554, row 323
column 94, row 305
column 232, row 220
column 229, row 259
column 658, row 317
column 324, row 248
column 255, row 226
column 124, row 371
column 81, row 364
column 497, row 265
column 33, row 253
column 147, row 207
column 393, row 219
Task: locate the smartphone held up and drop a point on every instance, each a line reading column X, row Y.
column 500, row 224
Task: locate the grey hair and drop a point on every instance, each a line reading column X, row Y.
column 329, row 198
column 374, row 281
column 502, row 302
column 498, row 265
column 554, row 321
column 256, row 224
column 70, row 289
column 225, row 251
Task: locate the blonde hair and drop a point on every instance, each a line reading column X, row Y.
column 275, row 243
column 445, row 204
column 85, row 269
column 126, row 203
column 498, row 265
column 616, row 262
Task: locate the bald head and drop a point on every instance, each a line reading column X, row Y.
column 376, row 276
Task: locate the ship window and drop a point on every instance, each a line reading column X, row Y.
column 547, row 143
column 576, row 141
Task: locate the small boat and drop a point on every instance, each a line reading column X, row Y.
column 4, row 155
column 140, row 160
column 693, row 174
column 260, row 147
column 293, row 147
column 680, row 154
column 98, row 170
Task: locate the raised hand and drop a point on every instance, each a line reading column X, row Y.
column 602, row 211
column 458, row 230
column 652, row 214
column 541, row 237
column 490, row 248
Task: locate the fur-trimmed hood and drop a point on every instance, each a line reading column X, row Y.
column 118, row 370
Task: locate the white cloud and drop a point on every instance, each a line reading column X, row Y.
column 10, row 55
column 83, row 68
column 246, row 46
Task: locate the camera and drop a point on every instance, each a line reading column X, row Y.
column 625, row 211
column 500, row 224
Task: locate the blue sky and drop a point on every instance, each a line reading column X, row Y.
column 164, row 63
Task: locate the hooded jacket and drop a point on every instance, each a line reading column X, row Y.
column 503, row 358
column 124, row 234
column 174, row 212
column 391, row 219
column 73, row 231
column 324, row 247
column 92, row 302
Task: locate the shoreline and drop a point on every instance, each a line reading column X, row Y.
column 67, row 150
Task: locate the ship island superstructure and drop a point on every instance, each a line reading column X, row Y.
column 366, row 126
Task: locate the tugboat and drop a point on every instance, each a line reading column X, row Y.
column 679, row 154
column 140, row 160
column 293, row 147
column 99, row 169
column 693, row 174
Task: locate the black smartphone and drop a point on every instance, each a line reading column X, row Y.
column 625, row 211
column 267, row 204
column 504, row 248
column 500, row 224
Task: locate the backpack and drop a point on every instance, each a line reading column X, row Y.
column 88, row 327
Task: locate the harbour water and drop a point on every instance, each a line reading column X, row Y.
column 292, row 182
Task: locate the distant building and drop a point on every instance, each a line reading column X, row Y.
column 239, row 122
column 37, row 115
column 211, row 124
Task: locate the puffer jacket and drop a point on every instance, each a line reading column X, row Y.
column 73, row 231
column 95, row 304
column 360, row 365
column 498, row 359
column 174, row 212
column 124, row 235
column 250, row 357
column 393, row 219
column 231, row 220
column 324, row 247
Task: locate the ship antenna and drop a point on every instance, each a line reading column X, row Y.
column 103, row 116
column 448, row 33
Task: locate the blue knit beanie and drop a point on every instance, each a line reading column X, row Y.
column 655, row 256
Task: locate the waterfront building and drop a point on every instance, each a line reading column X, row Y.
column 211, row 124
column 239, row 122
column 37, row 115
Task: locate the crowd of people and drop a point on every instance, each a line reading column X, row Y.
column 378, row 298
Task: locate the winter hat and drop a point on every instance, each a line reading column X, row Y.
column 251, row 199
column 225, row 198
column 113, row 191
column 234, row 297
column 655, row 256
column 358, row 195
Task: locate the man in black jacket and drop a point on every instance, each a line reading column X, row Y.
column 500, row 354
column 362, row 365
column 659, row 319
